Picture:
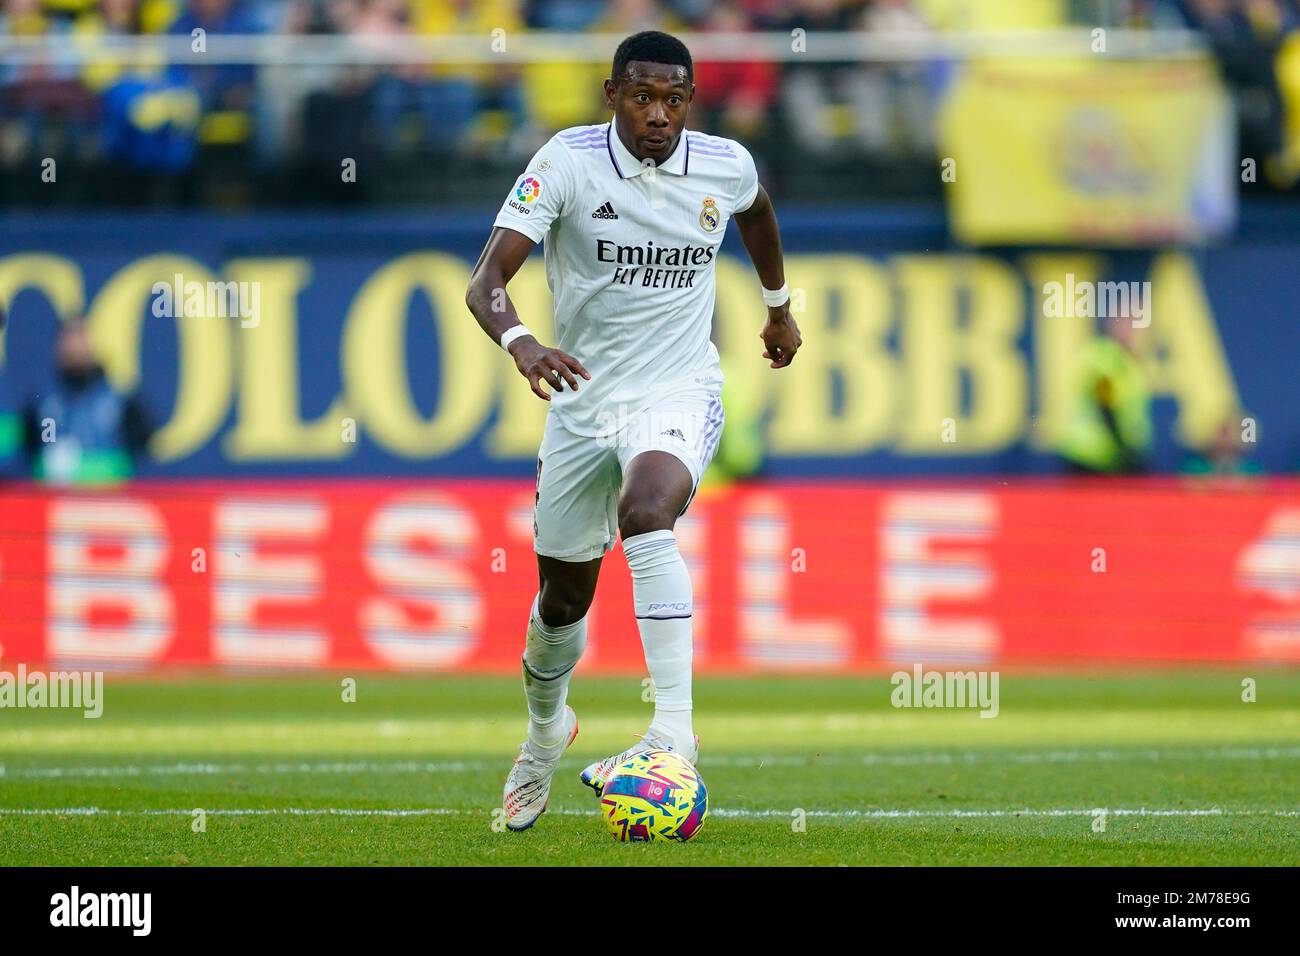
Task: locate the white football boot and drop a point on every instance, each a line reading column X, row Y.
column 599, row 773
column 528, row 785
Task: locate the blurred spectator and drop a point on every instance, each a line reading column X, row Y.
column 1225, row 455
column 228, row 87
column 1245, row 36
column 150, row 123
column 25, row 18
column 112, row 18
column 83, row 431
column 283, row 89
column 149, row 112
column 895, row 95
column 484, row 102
column 1109, row 430
column 32, row 93
column 733, row 98
column 632, row 16
column 566, row 15
column 1149, row 15
column 829, row 105
column 805, row 118
column 560, row 93
column 401, row 89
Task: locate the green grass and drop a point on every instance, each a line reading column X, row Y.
column 833, row 748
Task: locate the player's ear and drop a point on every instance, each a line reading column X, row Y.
column 609, row 93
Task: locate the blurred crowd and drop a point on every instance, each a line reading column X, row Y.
column 149, row 116
column 159, row 118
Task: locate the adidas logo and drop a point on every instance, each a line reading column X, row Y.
column 605, row 212
column 674, row 433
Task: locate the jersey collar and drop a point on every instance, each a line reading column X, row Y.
column 628, row 165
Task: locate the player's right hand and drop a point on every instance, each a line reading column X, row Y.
column 539, row 364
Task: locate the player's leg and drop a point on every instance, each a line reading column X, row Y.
column 663, row 461
column 656, row 489
column 557, row 636
column 572, row 530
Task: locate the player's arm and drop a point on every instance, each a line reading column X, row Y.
column 762, row 238
column 487, row 298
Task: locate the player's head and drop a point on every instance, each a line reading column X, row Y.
column 74, row 351
column 650, row 89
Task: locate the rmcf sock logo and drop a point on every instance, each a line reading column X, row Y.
column 103, row 909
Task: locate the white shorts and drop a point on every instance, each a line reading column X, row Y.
column 575, row 514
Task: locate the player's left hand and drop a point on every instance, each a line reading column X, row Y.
column 780, row 336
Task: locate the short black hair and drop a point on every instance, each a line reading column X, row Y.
column 652, row 46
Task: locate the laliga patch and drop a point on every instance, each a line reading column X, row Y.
column 526, row 193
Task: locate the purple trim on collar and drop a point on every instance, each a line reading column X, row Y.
column 609, row 134
column 609, row 131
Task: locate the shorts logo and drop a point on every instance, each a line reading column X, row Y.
column 674, row 433
column 529, row 188
column 709, row 216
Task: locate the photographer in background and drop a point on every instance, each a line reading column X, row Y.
column 83, row 431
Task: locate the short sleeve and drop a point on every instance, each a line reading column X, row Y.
column 747, row 190
column 538, row 195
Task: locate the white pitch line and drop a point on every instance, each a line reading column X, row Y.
column 210, row 769
column 720, row 812
column 939, row 758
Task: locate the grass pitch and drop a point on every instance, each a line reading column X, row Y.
column 799, row 771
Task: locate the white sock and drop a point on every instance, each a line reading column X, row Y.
column 661, row 593
column 550, row 655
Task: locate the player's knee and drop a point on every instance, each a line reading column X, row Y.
column 642, row 513
column 560, row 606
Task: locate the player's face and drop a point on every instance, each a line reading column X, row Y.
column 650, row 102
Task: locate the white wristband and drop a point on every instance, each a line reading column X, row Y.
column 778, row 296
column 512, row 333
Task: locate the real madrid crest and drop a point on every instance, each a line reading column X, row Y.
column 709, row 215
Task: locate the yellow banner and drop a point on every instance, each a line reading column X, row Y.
column 1094, row 150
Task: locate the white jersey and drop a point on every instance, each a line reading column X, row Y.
column 630, row 252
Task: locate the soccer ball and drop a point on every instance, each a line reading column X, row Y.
column 656, row 795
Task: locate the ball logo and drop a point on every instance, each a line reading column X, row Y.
column 709, row 216
column 529, row 189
